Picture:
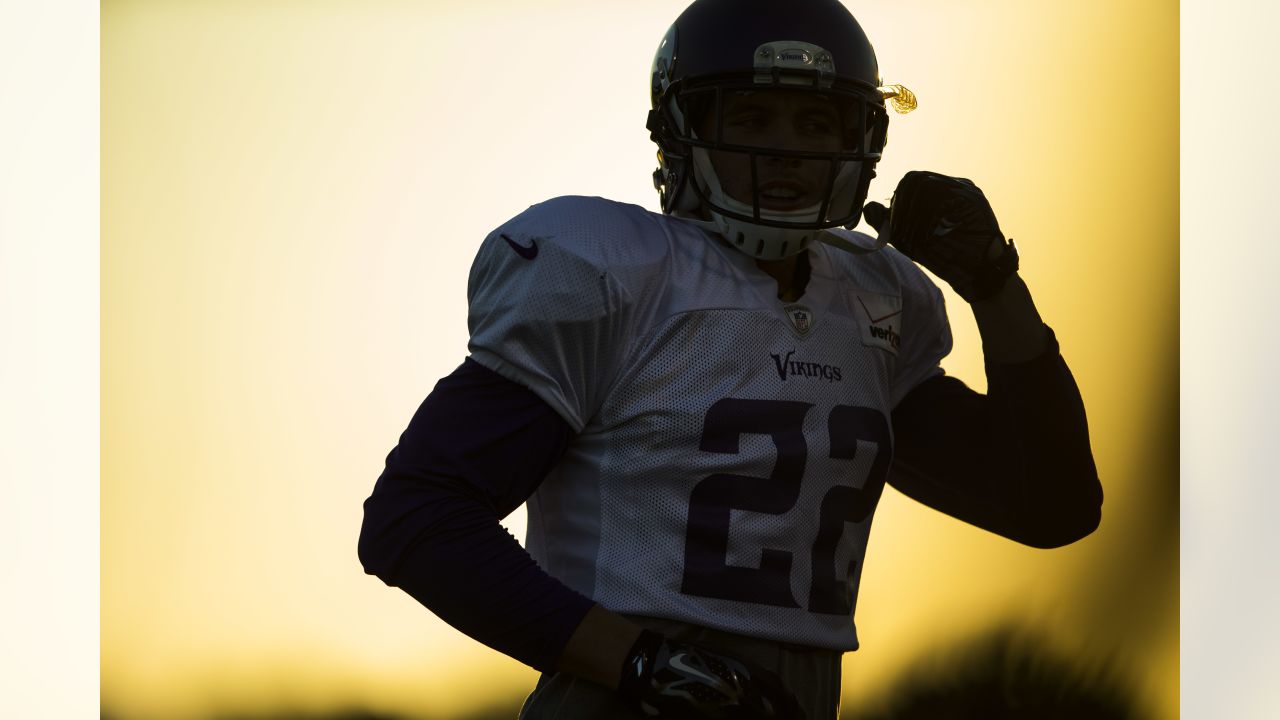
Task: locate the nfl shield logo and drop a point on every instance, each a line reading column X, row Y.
column 801, row 318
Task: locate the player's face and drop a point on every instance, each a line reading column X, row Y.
column 776, row 120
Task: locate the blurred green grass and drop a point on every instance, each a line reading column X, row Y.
column 504, row 710
column 1007, row 673
column 1004, row 673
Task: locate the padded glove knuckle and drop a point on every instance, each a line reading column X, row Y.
column 947, row 225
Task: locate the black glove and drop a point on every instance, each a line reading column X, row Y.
column 946, row 225
column 669, row 679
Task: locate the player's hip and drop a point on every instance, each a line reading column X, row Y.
column 812, row 674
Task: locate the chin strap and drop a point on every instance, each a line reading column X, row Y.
column 838, row 241
column 835, row 237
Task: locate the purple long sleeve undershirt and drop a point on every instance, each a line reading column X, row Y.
column 480, row 444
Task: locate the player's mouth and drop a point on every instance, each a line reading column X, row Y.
column 786, row 195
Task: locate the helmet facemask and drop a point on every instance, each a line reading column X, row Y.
column 773, row 165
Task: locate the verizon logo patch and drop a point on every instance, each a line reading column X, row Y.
column 879, row 319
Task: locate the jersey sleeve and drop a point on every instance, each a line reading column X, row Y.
column 927, row 333
column 544, row 309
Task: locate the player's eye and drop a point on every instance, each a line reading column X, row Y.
column 817, row 126
column 745, row 121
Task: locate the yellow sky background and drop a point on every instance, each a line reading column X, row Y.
column 292, row 193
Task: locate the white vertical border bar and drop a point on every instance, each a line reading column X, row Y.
column 1229, row 346
column 49, row 358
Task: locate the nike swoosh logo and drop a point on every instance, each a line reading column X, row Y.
column 528, row 252
column 677, row 662
column 868, row 311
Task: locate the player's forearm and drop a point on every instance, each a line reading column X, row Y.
column 448, row 552
column 1041, row 420
column 598, row 647
column 1016, row 461
column 1010, row 325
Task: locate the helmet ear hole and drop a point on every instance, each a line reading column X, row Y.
column 741, row 238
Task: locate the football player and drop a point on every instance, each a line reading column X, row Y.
column 701, row 407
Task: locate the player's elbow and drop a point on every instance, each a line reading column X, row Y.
column 1068, row 518
column 1061, row 531
column 380, row 545
column 410, row 511
column 370, row 548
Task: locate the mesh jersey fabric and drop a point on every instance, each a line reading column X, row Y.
column 730, row 446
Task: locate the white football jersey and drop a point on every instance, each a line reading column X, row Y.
column 731, row 447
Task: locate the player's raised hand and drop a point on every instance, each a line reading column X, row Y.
column 669, row 679
column 946, row 224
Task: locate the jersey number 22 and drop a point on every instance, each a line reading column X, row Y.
column 706, row 572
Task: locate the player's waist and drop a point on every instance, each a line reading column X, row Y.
column 812, row 673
